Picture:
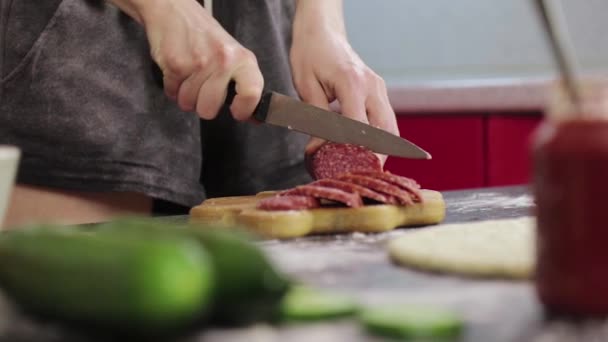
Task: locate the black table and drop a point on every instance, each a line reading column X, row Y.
column 358, row 264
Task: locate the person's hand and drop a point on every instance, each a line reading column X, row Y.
column 198, row 57
column 325, row 68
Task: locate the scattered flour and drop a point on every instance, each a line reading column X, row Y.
column 490, row 201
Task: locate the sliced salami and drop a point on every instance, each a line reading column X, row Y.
column 403, row 197
column 333, row 159
column 404, row 183
column 356, row 188
column 290, row 202
column 349, row 199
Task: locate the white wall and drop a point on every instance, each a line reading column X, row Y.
column 412, row 40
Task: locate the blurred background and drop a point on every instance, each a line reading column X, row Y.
column 412, row 40
column 468, row 79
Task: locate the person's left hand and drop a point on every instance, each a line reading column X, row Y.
column 326, row 68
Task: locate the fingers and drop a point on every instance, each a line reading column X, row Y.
column 204, row 90
column 363, row 96
column 175, row 71
column 171, row 84
column 190, row 89
column 312, row 93
column 379, row 111
column 352, row 97
column 249, row 86
column 313, row 144
column 211, row 96
column 380, row 115
column 198, row 58
column 353, row 105
column 352, row 93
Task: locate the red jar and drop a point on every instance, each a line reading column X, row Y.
column 570, row 185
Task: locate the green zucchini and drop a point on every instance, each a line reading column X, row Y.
column 248, row 287
column 411, row 322
column 110, row 280
column 307, row 304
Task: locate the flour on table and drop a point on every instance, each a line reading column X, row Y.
column 490, row 201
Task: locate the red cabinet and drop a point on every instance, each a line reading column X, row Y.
column 456, row 143
column 469, row 150
column 508, row 141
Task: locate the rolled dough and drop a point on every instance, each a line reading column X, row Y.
column 496, row 248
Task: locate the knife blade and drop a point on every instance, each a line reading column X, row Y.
column 285, row 111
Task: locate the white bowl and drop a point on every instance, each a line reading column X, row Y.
column 9, row 160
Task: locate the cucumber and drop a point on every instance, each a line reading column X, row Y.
column 113, row 281
column 248, row 287
column 411, row 322
column 306, row 304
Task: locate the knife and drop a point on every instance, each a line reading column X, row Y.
column 285, row 111
column 281, row 110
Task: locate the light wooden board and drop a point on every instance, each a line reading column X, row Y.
column 241, row 211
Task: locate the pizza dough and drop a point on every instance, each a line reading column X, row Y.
column 497, row 248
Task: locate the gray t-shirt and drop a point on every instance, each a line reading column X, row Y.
column 78, row 95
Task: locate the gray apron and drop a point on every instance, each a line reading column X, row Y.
column 78, row 95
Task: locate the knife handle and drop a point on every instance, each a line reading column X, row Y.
column 157, row 75
column 230, row 94
column 261, row 110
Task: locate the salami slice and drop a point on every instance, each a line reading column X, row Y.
column 356, row 188
column 333, row 159
column 403, row 197
column 404, row 183
column 349, row 199
column 291, row 202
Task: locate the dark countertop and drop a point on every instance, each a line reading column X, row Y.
column 358, row 264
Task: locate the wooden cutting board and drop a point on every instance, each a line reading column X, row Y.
column 241, row 211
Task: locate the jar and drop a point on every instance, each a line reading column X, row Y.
column 570, row 187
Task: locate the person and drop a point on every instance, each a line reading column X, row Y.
column 101, row 138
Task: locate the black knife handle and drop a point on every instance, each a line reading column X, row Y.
column 230, row 94
column 261, row 110
column 157, row 75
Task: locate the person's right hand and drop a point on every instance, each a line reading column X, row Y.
column 198, row 58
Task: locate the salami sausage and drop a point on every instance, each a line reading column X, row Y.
column 403, row 197
column 291, row 202
column 333, row 159
column 349, row 199
column 355, row 188
column 404, row 183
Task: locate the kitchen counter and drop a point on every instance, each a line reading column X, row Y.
column 523, row 95
column 495, row 310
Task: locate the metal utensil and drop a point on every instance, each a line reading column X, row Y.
column 281, row 110
column 560, row 53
